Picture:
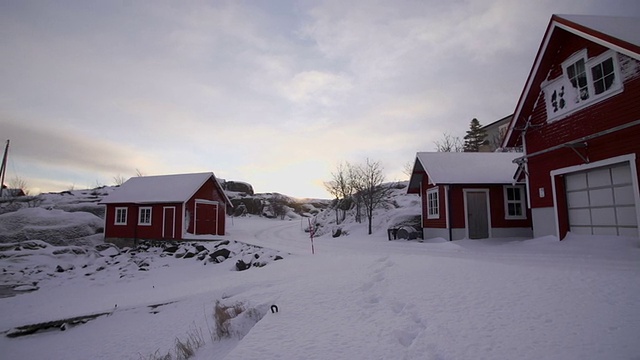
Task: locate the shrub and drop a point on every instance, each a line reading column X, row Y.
column 222, row 316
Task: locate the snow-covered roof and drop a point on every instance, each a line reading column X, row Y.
column 623, row 28
column 159, row 189
column 468, row 167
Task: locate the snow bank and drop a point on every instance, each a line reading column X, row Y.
column 56, row 227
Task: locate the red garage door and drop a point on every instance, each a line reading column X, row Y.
column 206, row 218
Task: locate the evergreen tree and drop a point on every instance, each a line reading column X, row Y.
column 475, row 137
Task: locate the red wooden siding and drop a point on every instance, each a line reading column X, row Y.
column 134, row 231
column 441, row 221
column 611, row 112
column 497, row 207
column 458, row 215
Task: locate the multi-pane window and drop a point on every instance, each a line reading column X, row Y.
column 433, row 204
column 584, row 81
column 144, row 217
column 514, row 202
column 603, row 76
column 577, row 75
column 121, row 216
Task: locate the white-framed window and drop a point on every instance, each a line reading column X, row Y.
column 144, row 216
column 514, row 202
column 121, row 216
column 433, row 204
column 584, row 81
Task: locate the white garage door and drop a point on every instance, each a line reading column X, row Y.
column 601, row 201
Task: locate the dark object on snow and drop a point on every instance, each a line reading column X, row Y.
column 392, row 233
column 409, row 233
column 200, row 248
column 189, row 254
column 222, row 243
column 274, row 309
column 171, row 249
column 224, row 253
column 241, row 265
column 337, row 233
column 59, row 268
column 62, row 324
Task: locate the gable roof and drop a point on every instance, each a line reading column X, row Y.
column 464, row 168
column 161, row 189
column 621, row 34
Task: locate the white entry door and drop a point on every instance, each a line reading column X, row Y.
column 601, row 201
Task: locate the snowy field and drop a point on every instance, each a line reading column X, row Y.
column 357, row 297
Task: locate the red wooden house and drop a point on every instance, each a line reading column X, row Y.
column 166, row 207
column 578, row 122
column 470, row 195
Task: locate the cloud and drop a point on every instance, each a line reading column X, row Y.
column 64, row 147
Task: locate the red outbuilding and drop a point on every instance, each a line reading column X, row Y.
column 578, row 123
column 470, row 195
column 166, row 207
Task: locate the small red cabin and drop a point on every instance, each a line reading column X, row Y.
column 165, row 207
column 470, row 195
column 578, row 123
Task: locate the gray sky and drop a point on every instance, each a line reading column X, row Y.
column 274, row 93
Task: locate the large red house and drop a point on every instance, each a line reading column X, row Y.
column 470, row 195
column 166, row 207
column 578, row 122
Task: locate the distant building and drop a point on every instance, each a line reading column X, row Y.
column 11, row 193
column 166, row 207
column 495, row 134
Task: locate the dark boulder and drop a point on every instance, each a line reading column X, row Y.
column 220, row 255
column 241, row 265
column 171, row 249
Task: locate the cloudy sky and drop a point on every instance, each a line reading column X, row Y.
column 274, row 93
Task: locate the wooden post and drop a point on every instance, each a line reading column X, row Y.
column 311, row 236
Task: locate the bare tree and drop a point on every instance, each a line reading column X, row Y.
column 18, row 184
column 357, row 180
column 407, row 169
column 449, row 143
column 119, row 179
column 340, row 186
column 139, row 172
column 374, row 193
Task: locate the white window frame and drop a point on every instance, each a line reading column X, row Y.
column 582, row 55
column 522, row 202
column 144, row 221
column 433, row 212
column 122, row 210
column 563, row 80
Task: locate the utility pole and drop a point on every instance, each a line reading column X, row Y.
column 3, row 168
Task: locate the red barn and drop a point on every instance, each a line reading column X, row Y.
column 166, row 207
column 470, row 195
column 578, row 123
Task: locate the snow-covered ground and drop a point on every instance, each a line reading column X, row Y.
column 358, row 297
